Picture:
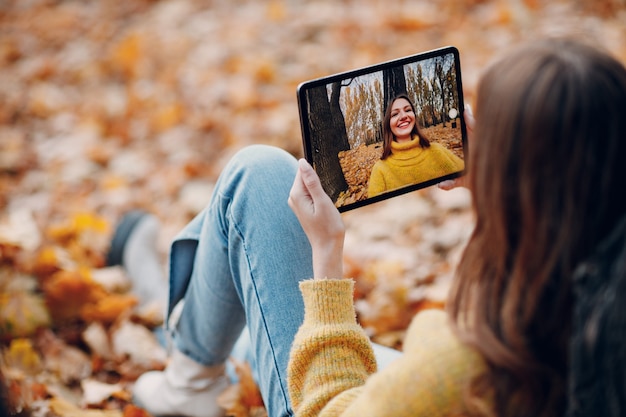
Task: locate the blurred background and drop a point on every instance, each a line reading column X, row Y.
column 107, row 106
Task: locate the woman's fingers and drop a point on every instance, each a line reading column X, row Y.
column 313, row 207
column 311, row 181
column 320, row 221
column 300, row 199
column 452, row 184
column 470, row 121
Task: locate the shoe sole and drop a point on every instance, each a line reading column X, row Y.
column 123, row 230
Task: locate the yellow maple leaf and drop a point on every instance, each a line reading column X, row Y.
column 22, row 355
column 21, row 313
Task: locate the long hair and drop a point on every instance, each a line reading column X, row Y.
column 597, row 352
column 548, row 184
column 388, row 136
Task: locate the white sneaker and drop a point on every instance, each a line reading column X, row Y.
column 184, row 388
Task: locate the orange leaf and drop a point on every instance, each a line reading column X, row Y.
column 47, row 261
column 80, row 223
column 126, row 54
column 108, row 308
column 66, row 293
column 244, row 398
column 251, row 396
column 167, row 117
column 131, row 410
column 276, row 11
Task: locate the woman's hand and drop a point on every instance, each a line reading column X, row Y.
column 470, row 122
column 320, row 220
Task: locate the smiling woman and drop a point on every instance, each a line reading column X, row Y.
column 408, row 156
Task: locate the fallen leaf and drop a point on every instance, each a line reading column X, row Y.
column 97, row 339
column 69, row 363
column 242, row 399
column 21, row 314
column 22, row 355
column 131, row 410
column 64, row 408
column 67, row 292
column 113, row 279
column 108, row 308
column 126, row 54
column 96, row 392
column 137, row 343
column 20, row 229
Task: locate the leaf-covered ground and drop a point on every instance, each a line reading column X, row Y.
column 107, row 106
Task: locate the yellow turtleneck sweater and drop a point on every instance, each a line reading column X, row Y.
column 332, row 369
column 409, row 163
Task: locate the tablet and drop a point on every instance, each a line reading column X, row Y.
column 387, row 129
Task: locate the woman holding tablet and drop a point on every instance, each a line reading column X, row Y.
column 534, row 324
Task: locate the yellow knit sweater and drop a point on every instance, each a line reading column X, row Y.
column 409, row 163
column 332, row 370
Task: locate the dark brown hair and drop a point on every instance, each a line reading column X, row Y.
column 388, row 134
column 548, row 184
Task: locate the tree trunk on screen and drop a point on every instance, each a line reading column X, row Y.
column 328, row 138
column 441, row 78
column 394, row 83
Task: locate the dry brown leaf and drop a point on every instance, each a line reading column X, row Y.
column 96, row 393
column 69, row 363
column 108, row 308
column 113, row 279
column 47, row 261
column 79, row 223
column 19, row 229
column 167, row 116
column 408, row 23
column 393, row 339
column 126, row 54
column 276, row 10
column 138, row 344
column 9, row 253
column 22, row 392
column 385, row 308
column 242, row 399
column 67, row 292
column 21, row 314
column 96, row 338
column 131, row 410
column 64, row 408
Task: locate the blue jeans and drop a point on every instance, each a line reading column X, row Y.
column 238, row 264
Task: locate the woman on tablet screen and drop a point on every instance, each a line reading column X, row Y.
column 408, row 156
column 534, row 324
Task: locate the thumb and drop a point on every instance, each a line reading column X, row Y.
column 310, row 179
column 470, row 121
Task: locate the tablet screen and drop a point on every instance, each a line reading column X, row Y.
column 380, row 131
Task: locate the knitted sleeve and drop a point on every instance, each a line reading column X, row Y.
column 331, row 369
column 330, row 353
column 376, row 184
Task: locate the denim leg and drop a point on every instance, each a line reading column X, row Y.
column 251, row 253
